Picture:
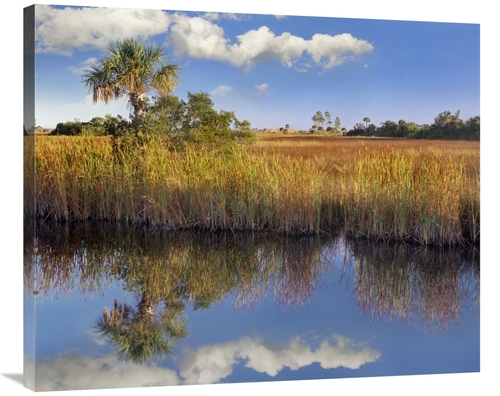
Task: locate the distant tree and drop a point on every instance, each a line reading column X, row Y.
column 371, row 130
column 388, row 129
column 367, row 120
column 337, row 123
column 69, row 128
column 328, row 118
column 318, row 119
column 446, row 126
column 472, row 128
column 357, row 130
column 442, row 118
column 242, row 125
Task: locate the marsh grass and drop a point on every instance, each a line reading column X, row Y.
column 387, row 190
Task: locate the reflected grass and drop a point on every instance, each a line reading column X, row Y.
column 425, row 286
column 422, row 285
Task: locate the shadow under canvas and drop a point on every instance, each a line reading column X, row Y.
column 17, row 377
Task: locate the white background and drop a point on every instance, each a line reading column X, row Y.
column 11, row 308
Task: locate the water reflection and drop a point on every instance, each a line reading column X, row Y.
column 425, row 286
column 169, row 277
column 175, row 267
column 142, row 334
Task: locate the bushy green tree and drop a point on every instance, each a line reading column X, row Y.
column 471, row 128
column 450, row 126
column 195, row 120
column 357, row 130
column 388, row 129
column 68, row 128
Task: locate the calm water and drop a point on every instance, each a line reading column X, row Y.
column 125, row 307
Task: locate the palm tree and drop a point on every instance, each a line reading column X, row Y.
column 338, row 124
column 131, row 68
column 366, row 120
column 328, row 118
column 318, row 118
column 142, row 334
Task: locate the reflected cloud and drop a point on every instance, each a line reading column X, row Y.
column 204, row 365
column 71, row 371
column 210, row 364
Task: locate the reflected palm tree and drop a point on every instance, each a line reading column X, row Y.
column 141, row 334
column 426, row 286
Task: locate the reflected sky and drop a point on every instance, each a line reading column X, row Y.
column 260, row 331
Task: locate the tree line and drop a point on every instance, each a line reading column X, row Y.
column 325, row 123
column 446, row 126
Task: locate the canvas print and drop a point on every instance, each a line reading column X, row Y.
column 234, row 198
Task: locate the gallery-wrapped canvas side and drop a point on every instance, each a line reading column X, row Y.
column 29, row 196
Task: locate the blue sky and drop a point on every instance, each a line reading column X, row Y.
column 272, row 70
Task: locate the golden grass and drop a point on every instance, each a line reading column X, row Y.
column 416, row 191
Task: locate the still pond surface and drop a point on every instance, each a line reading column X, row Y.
column 126, row 307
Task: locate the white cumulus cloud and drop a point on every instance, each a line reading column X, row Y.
column 61, row 31
column 200, row 38
column 262, row 88
column 211, row 16
column 83, row 66
column 330, row 51
column 221, row 90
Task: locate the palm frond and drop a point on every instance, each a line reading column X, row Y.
column 166, row 79
column 133, row 68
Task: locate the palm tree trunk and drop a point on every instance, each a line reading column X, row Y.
column 137, row 102
column 145, row 309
